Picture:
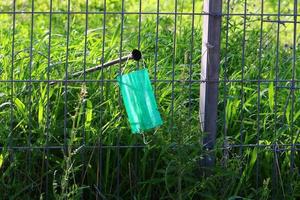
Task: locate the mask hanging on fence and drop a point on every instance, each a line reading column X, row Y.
column 139, row 101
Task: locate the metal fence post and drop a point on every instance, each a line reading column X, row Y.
column 210, row 62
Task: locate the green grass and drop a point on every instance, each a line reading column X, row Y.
column 168, row 167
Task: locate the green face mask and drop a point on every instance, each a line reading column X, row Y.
column 139, row 101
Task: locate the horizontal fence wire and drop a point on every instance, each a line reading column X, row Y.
column 153, row 80
column 270, row 124
column 148, row 13
column 280, row 147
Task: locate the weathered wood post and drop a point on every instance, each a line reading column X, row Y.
column 210, row 62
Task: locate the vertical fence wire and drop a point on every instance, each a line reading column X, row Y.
column 84, row 102
column 119, row 98
column 173, row 65
column 48, row 111
column 242, row 136
column 156, row 45
column 66, row 78
column 275, row 158
column 30, row 86
column 10, row 138
column 225, row 90
column 191, row 60
column 100, row 150
column 295, row 9
column 259, row 90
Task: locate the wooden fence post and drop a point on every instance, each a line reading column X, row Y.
column 210, row 62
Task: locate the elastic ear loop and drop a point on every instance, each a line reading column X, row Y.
column 144, row 139
column 155, row 131
column 124, row 66
column 143, row 61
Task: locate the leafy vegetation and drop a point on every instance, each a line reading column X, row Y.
column 90, row 152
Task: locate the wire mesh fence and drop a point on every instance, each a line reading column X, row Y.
column 71, row 139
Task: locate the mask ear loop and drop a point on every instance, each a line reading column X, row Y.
column 143, row 61
column 155, row 131
column 125, row 65
column 144, row 139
